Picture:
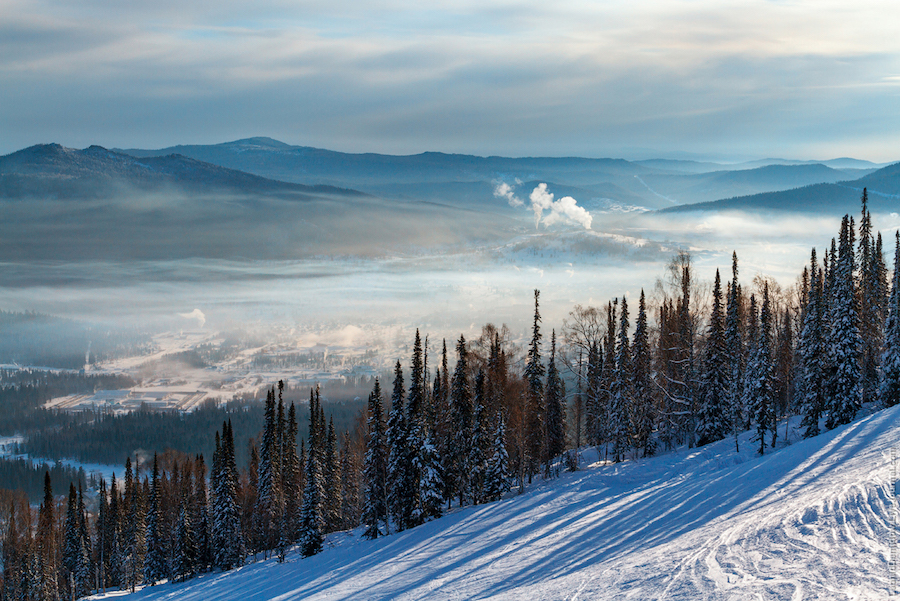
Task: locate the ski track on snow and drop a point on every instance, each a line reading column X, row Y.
column 810, row 521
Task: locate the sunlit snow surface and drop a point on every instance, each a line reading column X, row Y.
column 810, row 521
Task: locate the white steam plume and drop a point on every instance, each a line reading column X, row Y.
column 195, row 314
column 504, row 190
column 565, row 209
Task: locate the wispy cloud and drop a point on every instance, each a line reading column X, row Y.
column 576, row 77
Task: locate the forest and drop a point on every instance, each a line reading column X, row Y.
column 487, row 419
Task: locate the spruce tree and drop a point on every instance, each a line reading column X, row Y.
column 71, row 546
column 811, row 351
column 713, row 423
column 290, row 484
column 375, row 510
column 734, row 348
column 758, row 390
column 400, row 501
column 844, row 343
column 312, row 521
column 186, row 552
column 643, row 416
column 332, row 482
column 200, row 522
column 534, row 404
column 476, row 462
column 46, row 546
column 621, row 393
column 155, row 568
column 461, row 413
column 268, row 494
column 556, row 410
column 431, row 484
column 497, row 481
column 889, row 386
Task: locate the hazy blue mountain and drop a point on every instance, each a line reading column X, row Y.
column 51, row 170
column 466, row 179
column 693, row 188
column 835, row 198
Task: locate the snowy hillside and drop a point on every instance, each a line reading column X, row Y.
column 809, row 521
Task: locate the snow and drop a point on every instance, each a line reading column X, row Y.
column 808, row 521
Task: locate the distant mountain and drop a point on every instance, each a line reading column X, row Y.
column 835, row 198
column 53, row 171
column 694, row 188
column 463, row 179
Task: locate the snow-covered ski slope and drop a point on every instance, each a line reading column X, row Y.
column 809, row 521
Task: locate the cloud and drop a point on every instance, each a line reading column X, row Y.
column 602, row 77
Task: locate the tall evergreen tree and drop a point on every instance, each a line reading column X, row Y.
column 332, row 481
column 155, row 568
column 758, row 389
column 268, row 499
column 46, row 545
column 643, row 416
column 290, row 484
column 844, row 343
column 713, row 423
column 375, row 511
column 811, row 350
column 534, row 403
column 312, row 520
column 401, row 500
column 621, row 394
column 734, row 348
column 461, row 413
column 476, row 462
column 497, row 482
column 186, row 552
column 889, row 387
column 556, row 410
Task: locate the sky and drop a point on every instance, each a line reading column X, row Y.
column 720, row 79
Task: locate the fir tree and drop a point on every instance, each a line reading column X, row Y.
column 186, row 552
column 72, row 546
column 844, row 343
column 555, row 403
column 268, row 498
column 713, row 423
column 534, row 405
column 461, row 412
column 734, row 348
column 200, row 520
column 290, row 484
column 375, row 511
column 46, row 546
column 332, row 482
column 758, row 388
column 497, row 478
column 889, row 387
column 431, row 484
column 643, row 407
column 312, row 521
column 476, row 462
column 621, row 393
column 810, row 348
column 155, row 568
column 400, row 499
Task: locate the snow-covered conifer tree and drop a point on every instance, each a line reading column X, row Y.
column 713, row 423
column 889, row 387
